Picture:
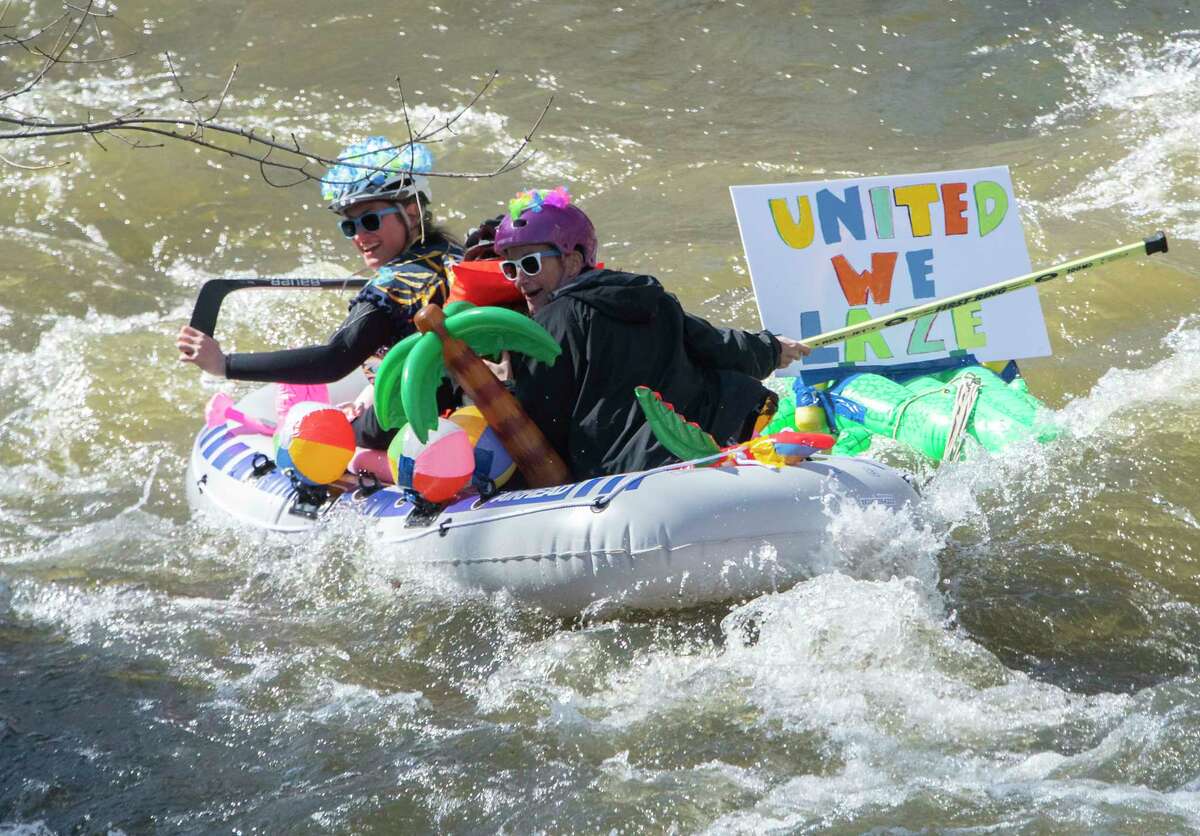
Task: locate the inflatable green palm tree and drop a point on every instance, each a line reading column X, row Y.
column 408, row 379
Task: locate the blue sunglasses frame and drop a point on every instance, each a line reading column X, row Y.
column 351, row 226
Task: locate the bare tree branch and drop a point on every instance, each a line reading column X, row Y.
column 15, row 164
column 474, row 100
column 11, row 40
column 66, row 38
column 129, row 123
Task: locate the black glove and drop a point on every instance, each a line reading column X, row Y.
column 480, row 239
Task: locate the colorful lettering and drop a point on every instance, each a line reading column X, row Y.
column 856, row 347
column 954, row 206
column 881, row 208
column 876, row 281
column 966, row 326
column 990, row 216
column 836, row 212
column 918, row 199
column 810, row 326
column 919, row 342
column 796, row 232
column 920, row 265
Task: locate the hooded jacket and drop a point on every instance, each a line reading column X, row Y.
column 621, row 330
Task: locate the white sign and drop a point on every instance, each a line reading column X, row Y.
column 827, row 254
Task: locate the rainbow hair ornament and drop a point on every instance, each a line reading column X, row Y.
column 534, row 199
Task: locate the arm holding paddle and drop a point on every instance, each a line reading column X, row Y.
column 200, row 349
column 195, row 341
column 791, row 350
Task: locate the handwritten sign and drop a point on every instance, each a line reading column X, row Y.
column 837, row 252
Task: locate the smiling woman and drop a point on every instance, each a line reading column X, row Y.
column 619, row 331
column 381, row 193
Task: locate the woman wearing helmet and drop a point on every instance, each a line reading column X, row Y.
column 382, row 195
column 618, row 331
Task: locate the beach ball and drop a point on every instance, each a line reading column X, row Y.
column 437, row 469
column 491, row 459
column 316, row 441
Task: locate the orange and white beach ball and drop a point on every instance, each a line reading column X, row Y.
column 316, row 441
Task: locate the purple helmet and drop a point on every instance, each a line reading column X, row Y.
column 542, row 216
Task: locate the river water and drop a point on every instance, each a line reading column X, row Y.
column 1018, row 656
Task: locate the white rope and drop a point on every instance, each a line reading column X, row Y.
column 904, row 405
column 964, row 403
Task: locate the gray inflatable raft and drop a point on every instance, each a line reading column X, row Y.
column 662, row 539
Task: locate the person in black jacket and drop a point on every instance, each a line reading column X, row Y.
column 618, row 331
column 382, row 198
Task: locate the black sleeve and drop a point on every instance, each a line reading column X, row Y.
column 365, row 330
column 548, row 393
column 755, row 353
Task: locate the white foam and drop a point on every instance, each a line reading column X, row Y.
column 1173, row 382
column 1149, row 96
column 894, row 706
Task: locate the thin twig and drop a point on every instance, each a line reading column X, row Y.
column 63, row 43
column 15, row 164
column 224, row 92
column 407, row 123
column 41, row 30
column 474, row 99
column 104, row 60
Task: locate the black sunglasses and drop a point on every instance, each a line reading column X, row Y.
column 367, row 220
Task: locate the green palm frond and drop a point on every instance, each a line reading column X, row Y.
column 492, row 330
column 389, row 409
column 423, row 373
column 408, row 379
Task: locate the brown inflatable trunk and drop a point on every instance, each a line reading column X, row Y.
column 538, row 462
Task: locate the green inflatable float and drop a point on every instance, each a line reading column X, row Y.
column 933, row 413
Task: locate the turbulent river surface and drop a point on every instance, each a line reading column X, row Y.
column 1017, row 655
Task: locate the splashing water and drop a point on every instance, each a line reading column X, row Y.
column 1149, row 96
column 1019, row 656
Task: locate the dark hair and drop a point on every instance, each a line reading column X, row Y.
column 432, row 231
column 437, row 232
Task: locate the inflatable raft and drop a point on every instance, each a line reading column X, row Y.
column 661, row 539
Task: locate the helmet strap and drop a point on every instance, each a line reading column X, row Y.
column 416, row 228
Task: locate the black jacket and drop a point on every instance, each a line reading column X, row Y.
column 618, row 331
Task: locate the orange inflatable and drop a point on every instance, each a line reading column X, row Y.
column 482, row 283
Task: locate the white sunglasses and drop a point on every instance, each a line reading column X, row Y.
column 530, row 265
